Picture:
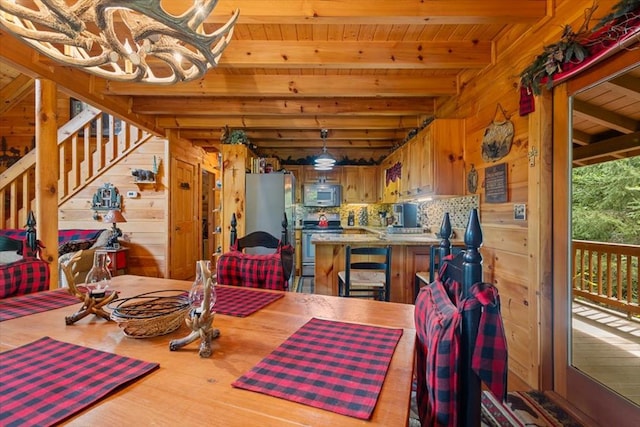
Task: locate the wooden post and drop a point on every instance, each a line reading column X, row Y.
column 47, row 173
column 470, row 387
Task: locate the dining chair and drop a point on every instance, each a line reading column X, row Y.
column 367, row 273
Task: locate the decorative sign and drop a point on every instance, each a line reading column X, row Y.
column 107, row 198
column 495, row 184
column 497, row 138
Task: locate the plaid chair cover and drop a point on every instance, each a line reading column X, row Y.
column 254, row 271
column 24, row 277
column 438, row 316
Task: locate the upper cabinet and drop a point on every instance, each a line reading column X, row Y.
column 431, row 164
column 360, row 184
column 390, row 176
column 332, row 176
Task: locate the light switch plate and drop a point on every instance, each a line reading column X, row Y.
column 132, row 194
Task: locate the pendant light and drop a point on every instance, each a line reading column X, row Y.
column 324, row 161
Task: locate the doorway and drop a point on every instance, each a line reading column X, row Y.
column 592, row 96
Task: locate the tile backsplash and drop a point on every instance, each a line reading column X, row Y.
column 430, row 213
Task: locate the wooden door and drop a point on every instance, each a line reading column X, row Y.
column 185, row 228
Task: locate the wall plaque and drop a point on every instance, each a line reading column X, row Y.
column 495, row 184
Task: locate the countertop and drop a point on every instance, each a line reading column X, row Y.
column 379, row 236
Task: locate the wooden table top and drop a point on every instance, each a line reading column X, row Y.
column 189, row 390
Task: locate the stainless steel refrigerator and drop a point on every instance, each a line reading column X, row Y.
column 268, row 197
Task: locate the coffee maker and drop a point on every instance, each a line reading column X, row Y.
column 405, row 215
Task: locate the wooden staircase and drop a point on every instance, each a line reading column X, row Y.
column 84, row 155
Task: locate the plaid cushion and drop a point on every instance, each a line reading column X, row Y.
column 24, row 277
column 253, row 271
column 63, row 235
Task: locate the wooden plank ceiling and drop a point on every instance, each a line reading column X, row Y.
column 369, row 72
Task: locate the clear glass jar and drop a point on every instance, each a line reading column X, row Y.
column 99, row 278
column 203, row 290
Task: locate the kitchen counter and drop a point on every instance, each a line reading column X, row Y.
column 379, row 236
column 410, row 254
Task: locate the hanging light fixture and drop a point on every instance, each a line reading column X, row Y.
column 121, row 40
column 324, row 161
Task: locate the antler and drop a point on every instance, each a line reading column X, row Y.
column 97, row 35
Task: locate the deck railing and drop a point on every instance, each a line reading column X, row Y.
column 607, row 274
column 88, row 145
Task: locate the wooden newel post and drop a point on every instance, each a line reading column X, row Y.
column 470, row 388
column 444, row 248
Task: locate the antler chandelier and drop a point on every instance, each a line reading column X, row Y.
column 123, row 40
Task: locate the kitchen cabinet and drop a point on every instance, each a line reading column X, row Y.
column 432, row 163
column 360, row 184
column 332, row 176
column 389, row 179
column 447, row 142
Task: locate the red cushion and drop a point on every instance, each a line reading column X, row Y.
column 253, row 271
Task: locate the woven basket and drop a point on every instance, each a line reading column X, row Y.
column 150, row 314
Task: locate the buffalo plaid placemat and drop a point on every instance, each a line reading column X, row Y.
column 37, row 302
column 330, row 365
column 46, row 381
column 241, row 302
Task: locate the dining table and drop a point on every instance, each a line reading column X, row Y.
column 187, row 389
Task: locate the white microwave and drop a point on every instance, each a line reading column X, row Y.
column 321, row 195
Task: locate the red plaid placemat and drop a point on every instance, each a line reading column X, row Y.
column 241, row 302
column 37, row 302
column 330, row 365
column 46, row 381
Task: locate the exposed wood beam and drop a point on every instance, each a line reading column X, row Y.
column 605, row 117
column 581, row 138
column 314, row 106
column 626, row 85
column 13, row 93
column 300, row 122
column 335, row 143
column 356, row 55
column 610, row 147
column 300, row 134
column 300, row 85
column 435, row 12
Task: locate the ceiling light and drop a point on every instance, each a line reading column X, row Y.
column 325, row 159
column 94, row 35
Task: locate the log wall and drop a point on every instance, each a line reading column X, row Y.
column 513, row 251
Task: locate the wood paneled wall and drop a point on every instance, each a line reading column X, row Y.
column 145, row 231
column 513, row 251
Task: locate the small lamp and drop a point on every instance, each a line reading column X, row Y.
column 114, row 217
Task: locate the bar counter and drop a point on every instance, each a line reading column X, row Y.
column 410, row 254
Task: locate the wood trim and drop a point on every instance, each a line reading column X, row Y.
column 539, row 236
column 594, row 399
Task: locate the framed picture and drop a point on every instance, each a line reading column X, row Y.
column 77, row 106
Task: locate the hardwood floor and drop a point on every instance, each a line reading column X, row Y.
column 606, row 346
